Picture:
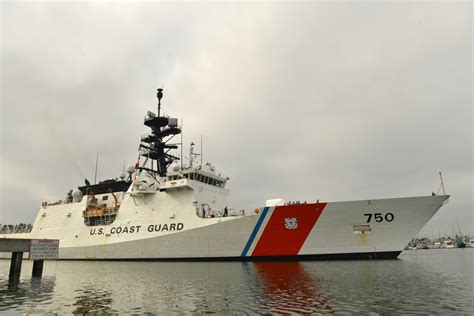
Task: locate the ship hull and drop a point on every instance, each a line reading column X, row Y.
column 386, row 255
column 368, row 229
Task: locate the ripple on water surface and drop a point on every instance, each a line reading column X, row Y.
column 422, row 282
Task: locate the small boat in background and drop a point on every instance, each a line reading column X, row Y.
column 448, row 244
column 470, row 244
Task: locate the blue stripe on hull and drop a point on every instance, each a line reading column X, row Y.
column 255, row 231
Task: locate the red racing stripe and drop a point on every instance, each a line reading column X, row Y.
column 279, row 239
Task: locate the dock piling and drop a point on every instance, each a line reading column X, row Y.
column 15, row 266
column 39, row 250
column 38, row 268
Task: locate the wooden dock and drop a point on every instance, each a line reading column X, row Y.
column 39, row 249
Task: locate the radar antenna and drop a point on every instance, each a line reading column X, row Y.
column 159, row 95
column 192, row 155
column 155, row 145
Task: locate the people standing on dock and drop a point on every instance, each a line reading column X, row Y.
column 226, row 211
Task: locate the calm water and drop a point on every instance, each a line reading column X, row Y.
column 421, row 282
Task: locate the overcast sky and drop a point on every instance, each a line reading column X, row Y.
column 329, row 101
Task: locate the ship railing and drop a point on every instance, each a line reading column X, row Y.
column 149, row 118
column 152, row 117
column 15, row 229
column 45, row 204
column 212, row 213
column 99, row 212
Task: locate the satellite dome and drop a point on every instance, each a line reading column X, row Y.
column 131, row 169
column 77, row 196
column 123, row 175
column 176, row 168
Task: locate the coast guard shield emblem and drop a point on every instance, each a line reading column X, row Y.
column 291, row 223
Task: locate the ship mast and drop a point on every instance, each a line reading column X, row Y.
column 155, row 145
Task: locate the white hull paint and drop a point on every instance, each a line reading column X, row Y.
column 334, row 234
column 160, row 211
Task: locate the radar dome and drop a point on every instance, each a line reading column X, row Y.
column 77, row 196
column 131, row 169
column 176, row 168
column 123, row 175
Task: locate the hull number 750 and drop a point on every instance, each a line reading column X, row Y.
column 379, row 217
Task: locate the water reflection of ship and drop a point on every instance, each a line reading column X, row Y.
column 21, row 293
column 289, row 288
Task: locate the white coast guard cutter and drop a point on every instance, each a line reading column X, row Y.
column 162, row 211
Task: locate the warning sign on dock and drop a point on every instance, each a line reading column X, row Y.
column 44, row 249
